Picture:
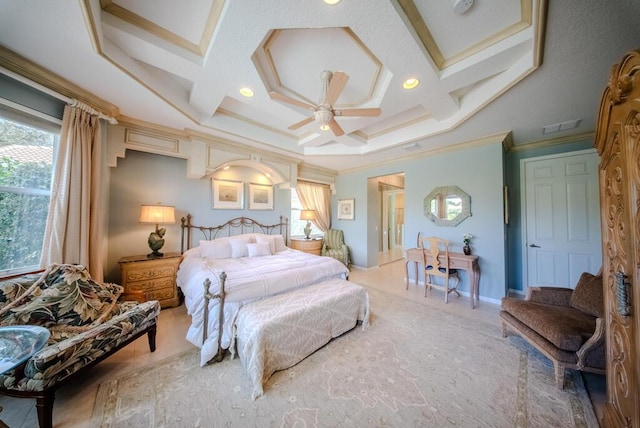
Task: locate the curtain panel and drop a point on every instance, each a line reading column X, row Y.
column 75, row 221
column 315, row 196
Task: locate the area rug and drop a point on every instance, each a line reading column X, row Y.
column 414, row 366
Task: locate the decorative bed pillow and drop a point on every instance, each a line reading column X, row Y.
column 279, row 243
column 588, row 295
column 266, row 240
column 72, row 301
column 217, row 249
column 239, row 246
column 259, row 249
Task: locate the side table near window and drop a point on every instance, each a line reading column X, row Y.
column 17, row 344
column 311, row 246
column 154, row 276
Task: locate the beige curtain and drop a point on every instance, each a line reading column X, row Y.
column 75, row 223
column 315, row 196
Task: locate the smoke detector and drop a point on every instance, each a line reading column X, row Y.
column 461, row 6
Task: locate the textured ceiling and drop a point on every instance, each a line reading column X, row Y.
column 181, row 65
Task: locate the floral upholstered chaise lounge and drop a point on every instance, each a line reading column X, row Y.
column 87, row 322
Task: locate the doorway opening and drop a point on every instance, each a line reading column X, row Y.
column 391, row 227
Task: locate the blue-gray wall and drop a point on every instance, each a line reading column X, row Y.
column 482, row 172
column 477, row 170
column 143, row 178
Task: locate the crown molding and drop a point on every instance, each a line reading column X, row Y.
column 585, row 136
column 41, row 76
column 477, row 142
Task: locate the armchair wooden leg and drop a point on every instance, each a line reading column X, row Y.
column 559, row 374
column 44, row 407
column 505, row 329
column 152, row 338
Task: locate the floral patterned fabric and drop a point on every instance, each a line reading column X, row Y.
column 11, row 289
column 66, row 299
column 84, row 317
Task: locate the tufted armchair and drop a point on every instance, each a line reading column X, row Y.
column 333, row 246
column 87, row 323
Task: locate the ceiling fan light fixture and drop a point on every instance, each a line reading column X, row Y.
column 410, row 83
column 247, row 92
column 324, row 127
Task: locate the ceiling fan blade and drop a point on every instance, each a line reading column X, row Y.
column 358, row 112
column 285, row 99
column 301, row 123
column 336, row 86
column 337, row 130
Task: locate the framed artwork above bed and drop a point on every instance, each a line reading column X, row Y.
column 227, row 194
column 260, row 196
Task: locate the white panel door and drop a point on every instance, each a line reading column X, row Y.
column 561, row 218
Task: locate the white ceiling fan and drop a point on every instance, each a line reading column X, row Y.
column 333, row 84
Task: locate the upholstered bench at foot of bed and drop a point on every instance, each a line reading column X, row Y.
column 278, row 332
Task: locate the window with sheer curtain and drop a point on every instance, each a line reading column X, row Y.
column 27, row 147
column 296, row 225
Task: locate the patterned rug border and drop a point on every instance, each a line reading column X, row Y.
column 105, row 412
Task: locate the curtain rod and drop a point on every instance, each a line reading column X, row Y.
column 85, row 107
column 71, row 101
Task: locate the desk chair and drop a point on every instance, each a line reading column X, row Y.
column 435, row 258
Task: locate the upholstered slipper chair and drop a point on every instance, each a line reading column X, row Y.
column 566, row 325
column 333, row 246
column 87, row 323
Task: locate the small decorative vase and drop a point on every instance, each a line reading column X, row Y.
column 467, row 250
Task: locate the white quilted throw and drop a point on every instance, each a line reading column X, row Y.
column 278, row 332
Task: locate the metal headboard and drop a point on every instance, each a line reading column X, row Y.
column 236, row 226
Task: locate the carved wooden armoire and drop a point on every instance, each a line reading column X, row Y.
column 618, row 144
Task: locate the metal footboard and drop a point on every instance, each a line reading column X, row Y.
column 208, row 296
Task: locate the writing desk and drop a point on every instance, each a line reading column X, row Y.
column 456, row 261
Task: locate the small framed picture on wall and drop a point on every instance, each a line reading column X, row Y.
column 260, row 196
column 346, row 209
column 227, row 194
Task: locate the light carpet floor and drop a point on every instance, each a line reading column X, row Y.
column 414, row 366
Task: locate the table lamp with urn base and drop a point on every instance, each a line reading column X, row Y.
column 307, row 215
column 157, row 214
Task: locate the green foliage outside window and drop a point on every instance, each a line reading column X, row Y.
column 25, row 183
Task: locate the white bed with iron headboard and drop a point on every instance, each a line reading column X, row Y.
column 229, row 265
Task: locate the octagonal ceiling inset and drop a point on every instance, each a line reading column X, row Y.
column 292, row 60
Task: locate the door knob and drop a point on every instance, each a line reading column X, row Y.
column 534, row 246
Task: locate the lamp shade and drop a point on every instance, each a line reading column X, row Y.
column 307, row 215
column 157, row 214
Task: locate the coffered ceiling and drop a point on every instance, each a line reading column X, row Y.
column 182, row 65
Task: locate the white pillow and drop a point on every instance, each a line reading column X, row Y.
column 259, row 249
column 267, row 240
column 239, row 246
column 278, row 240
column 217, row 249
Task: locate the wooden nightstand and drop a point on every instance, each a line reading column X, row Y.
column 156, row 277
column 311, row 246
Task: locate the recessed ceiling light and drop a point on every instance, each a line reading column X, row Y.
column 332, row 1
column 410, row 83
column 247, row 92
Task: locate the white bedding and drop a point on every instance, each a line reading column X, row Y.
column 248, row 279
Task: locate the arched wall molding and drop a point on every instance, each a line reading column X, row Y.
column 205, row 155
